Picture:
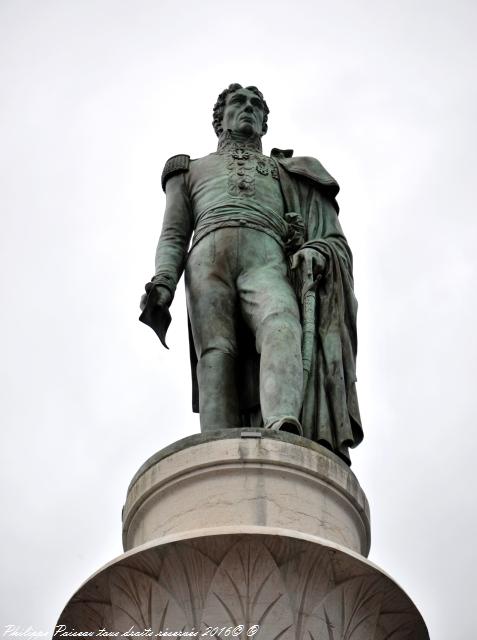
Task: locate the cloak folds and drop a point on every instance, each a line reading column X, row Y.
column 330, row 412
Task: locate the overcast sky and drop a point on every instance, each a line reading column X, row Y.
column 95, row 96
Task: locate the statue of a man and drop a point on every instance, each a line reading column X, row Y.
column 269, row 288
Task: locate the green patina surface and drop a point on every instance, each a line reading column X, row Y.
column 269, row 285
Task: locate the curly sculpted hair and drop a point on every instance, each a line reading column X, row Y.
column 219, row 107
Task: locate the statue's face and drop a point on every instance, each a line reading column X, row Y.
column 243, row 113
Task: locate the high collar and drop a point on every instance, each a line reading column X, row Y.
column 230, row 140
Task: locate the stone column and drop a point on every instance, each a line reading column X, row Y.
column 245, row 533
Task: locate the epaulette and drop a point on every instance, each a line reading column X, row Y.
column 312, row 169
column 176, row 164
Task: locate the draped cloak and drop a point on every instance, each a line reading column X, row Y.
column 330, row 412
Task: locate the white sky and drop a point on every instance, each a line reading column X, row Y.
column 95, row 96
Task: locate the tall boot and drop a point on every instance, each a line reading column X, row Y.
column 218, row 398
column 281, row 373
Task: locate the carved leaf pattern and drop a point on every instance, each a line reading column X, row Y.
column 91, row 605
column 93, row 615
column 308, row 575
column 216, row 549
column 140, row 601
column 248, row 589
column 403, row 631
column 397, row 621
column 150, row 562
column 295, row 590
column 187, row 572
column 349, row 612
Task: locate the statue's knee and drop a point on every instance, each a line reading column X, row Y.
column 222, row 349
column 283, row 323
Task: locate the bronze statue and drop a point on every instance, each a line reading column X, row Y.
column 269, row 285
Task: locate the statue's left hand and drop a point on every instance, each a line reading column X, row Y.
column 310, row 262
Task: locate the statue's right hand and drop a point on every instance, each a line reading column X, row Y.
column 161, row 295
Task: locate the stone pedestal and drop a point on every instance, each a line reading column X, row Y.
column 245, row 533
column 264, row 479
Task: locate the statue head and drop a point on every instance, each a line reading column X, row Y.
column 241, row 109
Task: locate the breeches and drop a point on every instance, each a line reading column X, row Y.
column 235, row 272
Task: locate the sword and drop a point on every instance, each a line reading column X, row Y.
column 309, row 327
